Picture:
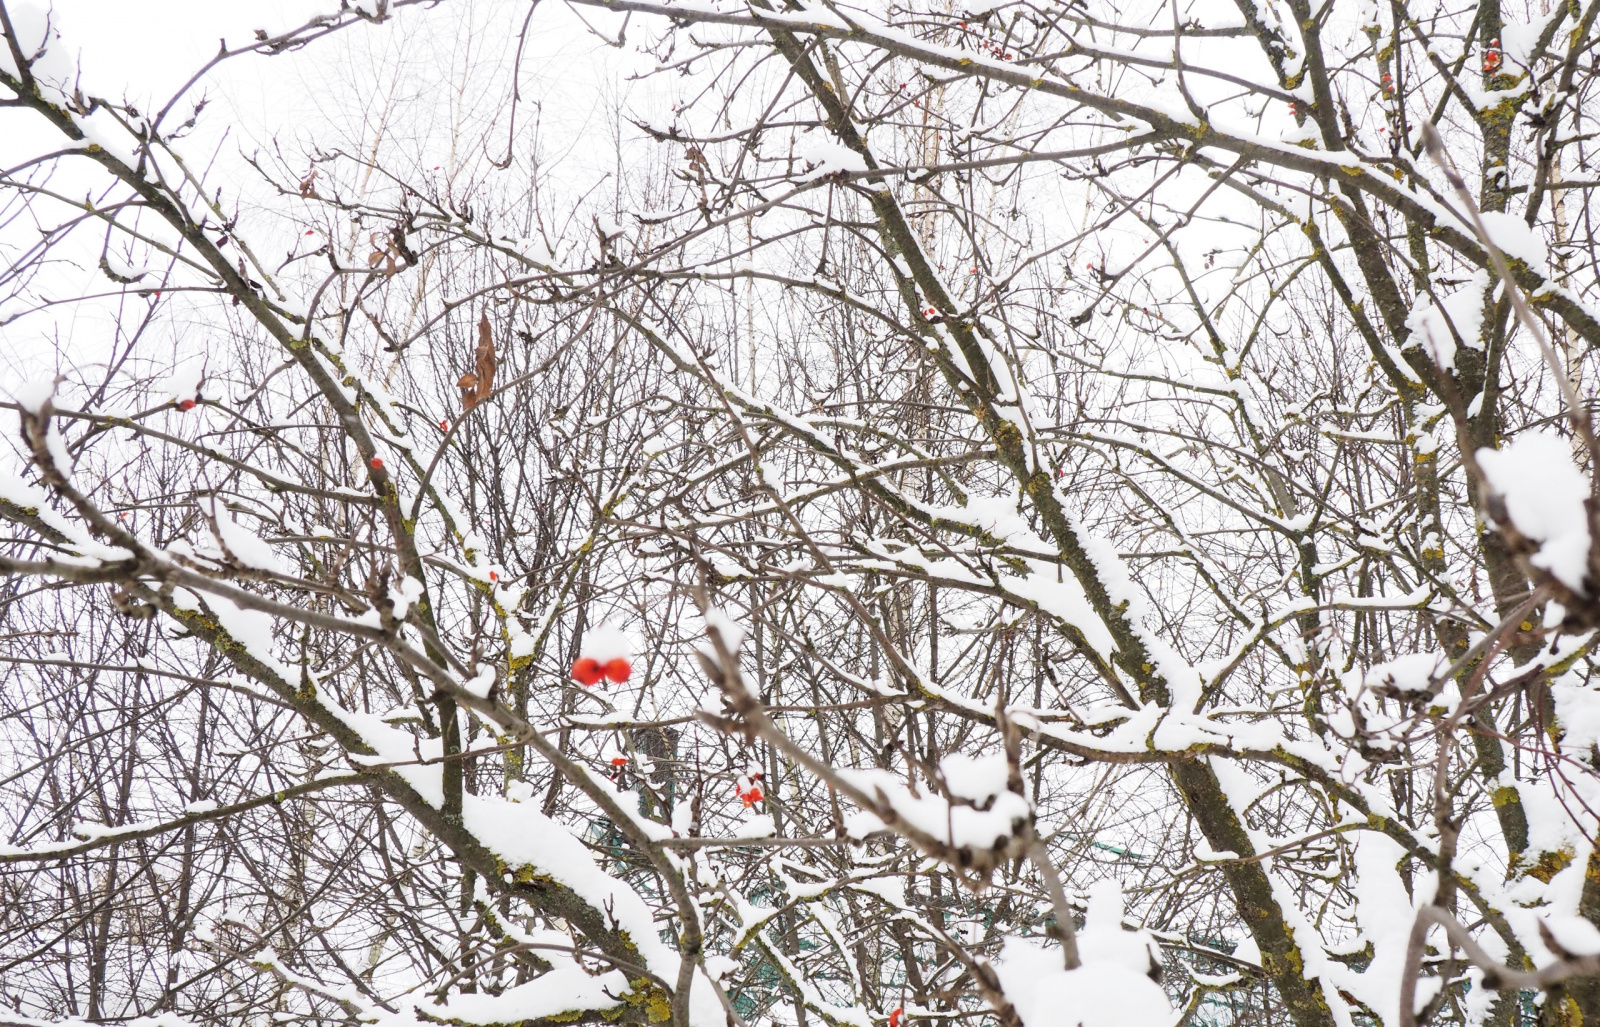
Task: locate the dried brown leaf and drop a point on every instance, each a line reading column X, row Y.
column 486, row 362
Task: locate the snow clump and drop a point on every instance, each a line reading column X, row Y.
column 1112, row 988
column 1544, row 497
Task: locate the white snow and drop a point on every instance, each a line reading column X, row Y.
column 755, row 825
column 1517, row 241
column 1410, row 673
column 1103, row 939
column 562, row 990
column 829, row 157
column 1100, row 993
column 481, row 683
column 1573, row 933
column 244, row 545
column 1384, row 914
column 976, row 778
column 32, row 395
column 731, row 631
column 957, row 825
column 605, row 642
column 1461, row 310
column 183, row 383
column 38, row 34
column 1544, row 493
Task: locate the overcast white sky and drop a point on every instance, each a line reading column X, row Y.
column 154, row 45
column 432, row 69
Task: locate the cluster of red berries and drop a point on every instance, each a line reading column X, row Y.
column 606, row 655
column 588, row 671
column 994, row 49
column 1492, row 58
column 749, row 788
column 1388, row 84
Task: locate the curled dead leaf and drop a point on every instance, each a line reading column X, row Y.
column 486, row 362
column 477, row 384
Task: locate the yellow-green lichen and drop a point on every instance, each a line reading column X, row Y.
column 1550, row 864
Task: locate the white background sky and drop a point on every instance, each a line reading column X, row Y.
column 327, row 94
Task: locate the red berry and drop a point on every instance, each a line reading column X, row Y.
column 187, row 404
column 444, row 425
column 587, row 671
column 377, row 464
column 619, row 761
column 494, row 575
column 617, row 670
column 894, row 1017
